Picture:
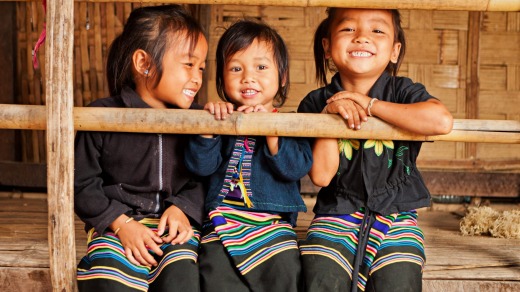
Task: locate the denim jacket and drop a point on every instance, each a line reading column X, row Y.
column 380, row 175
column 274, row 178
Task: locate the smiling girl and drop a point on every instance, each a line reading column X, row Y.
column 141, row 207
column 365, row 235
column 248, row 243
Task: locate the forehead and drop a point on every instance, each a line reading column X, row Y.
column 383, row 17
column 258, row 49
column 183, row 43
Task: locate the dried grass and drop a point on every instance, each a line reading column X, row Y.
column 488, row 221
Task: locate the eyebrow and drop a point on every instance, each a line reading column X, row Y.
column 373, row 19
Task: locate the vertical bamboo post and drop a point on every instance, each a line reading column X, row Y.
column 60, row 144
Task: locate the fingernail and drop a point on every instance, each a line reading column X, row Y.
column 352, row 126
column 359, row 127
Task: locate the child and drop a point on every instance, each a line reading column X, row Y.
column 365, row 234
column 248, row 243
column 132, row 190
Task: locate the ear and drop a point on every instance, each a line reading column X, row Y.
column 396, row 50
column 326, row 47
column 141, row 62
column 284, row 80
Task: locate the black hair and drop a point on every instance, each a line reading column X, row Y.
column 240, row 36
column 323, row 31
column 152, row 29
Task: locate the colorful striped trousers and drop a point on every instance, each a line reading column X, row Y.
column 106, row 268
column 393, row 259
column 248, row 251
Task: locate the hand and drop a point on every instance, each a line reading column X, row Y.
column 252, row 109
column 221, row 110
column 349, row 106
column 179, row 227
column 136, row 240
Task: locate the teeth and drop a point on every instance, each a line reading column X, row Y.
column 249, row 92
column 189, row 92
column 361, row 54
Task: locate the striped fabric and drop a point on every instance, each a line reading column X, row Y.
column 105, row 267
column 261, row 247
column 332, row 241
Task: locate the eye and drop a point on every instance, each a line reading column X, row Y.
column 202, row 69
column 348, row 29
column 262, row 67
column 188, row 65
column 378, row 31
column 235, row 69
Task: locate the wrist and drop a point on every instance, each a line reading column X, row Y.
column 368, row 110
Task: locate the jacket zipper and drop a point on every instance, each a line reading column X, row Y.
column 157, row 196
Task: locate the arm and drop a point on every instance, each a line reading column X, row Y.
column 429, row 117
column 203, row 155
column 293, row 159
column 325, row 153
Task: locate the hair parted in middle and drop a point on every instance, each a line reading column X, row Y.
column 323, row 31
column 238, row 37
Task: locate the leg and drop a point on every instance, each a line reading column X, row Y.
column 177, row 270
column 106, row 268
column 217, row 271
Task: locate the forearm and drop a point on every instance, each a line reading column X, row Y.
column 325, row 161
column 427, row 118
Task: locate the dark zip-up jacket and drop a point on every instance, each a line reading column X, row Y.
column 137, row 174
column 379, row 175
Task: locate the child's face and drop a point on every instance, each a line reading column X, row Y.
column 182, row 75
column 362, row 42
column 251, row 76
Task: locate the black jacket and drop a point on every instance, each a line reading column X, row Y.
column 379, row 175
column 138, row 174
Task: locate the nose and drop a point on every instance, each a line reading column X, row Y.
column 248, row 76
column 361, row 38
column 197, row 77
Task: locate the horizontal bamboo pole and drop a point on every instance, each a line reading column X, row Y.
column 32, row 117
column 469, row 5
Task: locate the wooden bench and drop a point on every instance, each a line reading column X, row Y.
column 454, row 262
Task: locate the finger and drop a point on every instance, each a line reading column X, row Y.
column 185, row 233
column 218, row 114
column 343, row 112
column 162, row 225
column 154, row 247
column 357, row 120
column 130, row 257
column 226, row 109
column 210, row 107
column 242, row 108
column 145, row 257
column 229, row 107
column 362, row 114
column 174, row 226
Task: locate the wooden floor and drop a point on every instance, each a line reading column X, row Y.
column 454, row 262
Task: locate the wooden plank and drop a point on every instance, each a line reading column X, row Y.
column 471, row 5
column 282, row 124
column 25, row 280
column 60, row 144
column 23, row 174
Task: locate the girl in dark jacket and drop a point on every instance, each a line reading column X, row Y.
column 140, row 205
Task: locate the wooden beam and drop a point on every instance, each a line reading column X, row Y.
column 467, row 5
column 260, row 124
column 60, row 143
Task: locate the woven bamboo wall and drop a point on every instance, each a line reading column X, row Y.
column 438, row 55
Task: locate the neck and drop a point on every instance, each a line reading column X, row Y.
column 357, row 83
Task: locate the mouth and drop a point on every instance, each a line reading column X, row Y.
column 189, row 92
column 249, row 92
column 361, row 54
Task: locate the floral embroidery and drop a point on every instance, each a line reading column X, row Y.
column 346, row 146
column 379, row 145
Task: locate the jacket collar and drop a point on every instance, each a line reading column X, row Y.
column 131, row 99
column 377, row 89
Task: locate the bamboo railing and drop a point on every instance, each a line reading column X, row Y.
column 468, row 5
column 60, row 119
column 33, row 117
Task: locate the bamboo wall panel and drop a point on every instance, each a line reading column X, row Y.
column 437, row 56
